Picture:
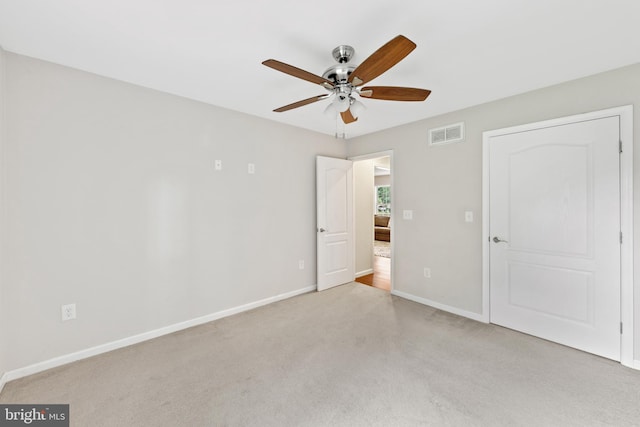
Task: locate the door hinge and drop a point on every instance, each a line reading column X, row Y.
column 620, row 145
column 620, row 328
column 621, row 237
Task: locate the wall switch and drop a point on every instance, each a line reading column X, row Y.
column 427, row 273
column 68, row 312
column 218, row 165
column 251, row 168
column 468, row 216
column 301, row 264
column 407, row 214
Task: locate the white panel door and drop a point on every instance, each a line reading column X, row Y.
column 336, row 250
column 555, row 234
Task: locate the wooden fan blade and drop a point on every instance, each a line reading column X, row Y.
column 381, row 60
column 301, row 103
column 347, row 117
column 297, row 72
column 394, row 93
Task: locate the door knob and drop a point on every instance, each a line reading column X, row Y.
column 496, row 239
column 321, row 230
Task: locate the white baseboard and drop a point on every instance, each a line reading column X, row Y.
column 135, row 339
column 364, row 273
column 636, row 364
column 440, row 306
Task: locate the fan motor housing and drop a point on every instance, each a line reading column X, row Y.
column 338, row 73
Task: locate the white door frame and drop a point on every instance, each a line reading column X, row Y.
column 377, row 155
column 626, row 215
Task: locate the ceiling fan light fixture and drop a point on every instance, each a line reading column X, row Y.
column 342, row 102
column 331, row 111
column 357, row 108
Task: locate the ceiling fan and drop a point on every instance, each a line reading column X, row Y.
column 343, row 80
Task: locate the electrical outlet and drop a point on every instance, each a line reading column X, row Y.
column 407, row 214
column 68, row 312
column 218, row 165
column 427, row 273
column 251, row 168
column 301, row 264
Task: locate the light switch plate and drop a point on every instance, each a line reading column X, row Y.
column 218, row 165
column 468, row 216
column 407, row 214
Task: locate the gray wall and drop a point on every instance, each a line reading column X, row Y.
column 440, row 183
column 113, row 204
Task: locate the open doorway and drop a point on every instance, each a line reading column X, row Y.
column 373, row 199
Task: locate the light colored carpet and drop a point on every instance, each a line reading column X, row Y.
column 382, row 249
column 350, row 356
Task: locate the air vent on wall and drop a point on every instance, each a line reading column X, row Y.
column 446, row 134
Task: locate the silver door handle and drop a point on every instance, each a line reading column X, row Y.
column 498, row 240
column 321, row 230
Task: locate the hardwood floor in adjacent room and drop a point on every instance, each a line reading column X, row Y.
column 381, row 276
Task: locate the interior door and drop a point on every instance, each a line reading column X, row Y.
column 555, row 234
column 335, row 224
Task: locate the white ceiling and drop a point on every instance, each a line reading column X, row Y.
column 469, row 51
